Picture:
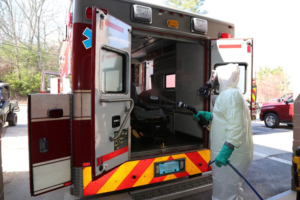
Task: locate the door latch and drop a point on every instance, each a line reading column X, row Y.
column 44, row 147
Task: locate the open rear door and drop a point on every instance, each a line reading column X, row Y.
column 49, row 142
column 225, row 51
column 111, row 103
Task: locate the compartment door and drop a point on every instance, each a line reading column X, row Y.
column 111, row 102
column 49, row 142
column 240, row 51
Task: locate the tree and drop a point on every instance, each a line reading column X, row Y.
column 188, row 5
column 272, row 83
column 29, row 42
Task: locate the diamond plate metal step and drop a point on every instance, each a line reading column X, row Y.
column 174, row 190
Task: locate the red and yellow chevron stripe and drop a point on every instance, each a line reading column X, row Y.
column 253, row 94
column 141, row 172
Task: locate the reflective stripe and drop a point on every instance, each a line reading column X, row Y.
column 141, row 172
column 49, row 119
column 82, row 118
column 48, row 189
column 51, row 161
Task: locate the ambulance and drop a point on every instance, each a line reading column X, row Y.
column 112, row 126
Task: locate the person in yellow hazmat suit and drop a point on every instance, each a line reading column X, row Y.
column 231, row 134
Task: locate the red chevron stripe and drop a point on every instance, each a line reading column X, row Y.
column 181, row 174
column 198, row 161
column 157, row 179
column 161, row 178
column 93, row 187
column 136, row 172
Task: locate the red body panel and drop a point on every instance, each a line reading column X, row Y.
column 81, row 80
column 59, row 144
column 285, row 112
column 81, row 142
column 81, row 59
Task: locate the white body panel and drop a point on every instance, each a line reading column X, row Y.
column 114, row 36
column 66, row 85
column 227, row 51
column 54, row 85
column 48, row 174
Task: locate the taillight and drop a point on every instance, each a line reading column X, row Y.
column 225, row 35
column 249, row 49
column 68, row 183
column 86, row 164
column 89, row 13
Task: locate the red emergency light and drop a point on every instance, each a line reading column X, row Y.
column 89, row 13
column 225, row 35
column 86, row 164
column 68, row 183
column 249, row 49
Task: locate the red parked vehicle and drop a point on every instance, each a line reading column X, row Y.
column 281, row 111
column 284, row 97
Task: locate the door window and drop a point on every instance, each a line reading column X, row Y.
column 113, row 67
column 170, row 81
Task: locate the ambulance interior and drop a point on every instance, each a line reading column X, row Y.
column 158, row 125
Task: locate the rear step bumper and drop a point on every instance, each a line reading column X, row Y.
column 174, row 190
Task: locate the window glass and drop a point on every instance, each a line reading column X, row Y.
column 242, row 79
column 113, row 72
column 290, row 100
column 170, row 81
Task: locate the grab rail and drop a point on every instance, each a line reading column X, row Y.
column 126, row 118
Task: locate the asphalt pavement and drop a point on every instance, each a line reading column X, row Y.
column 270, row 170
column 269, row 173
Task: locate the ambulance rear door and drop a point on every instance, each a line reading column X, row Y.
column 49, row 142
column 239, row 51
column 111, row 102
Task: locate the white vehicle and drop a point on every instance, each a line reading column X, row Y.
column 113, row 132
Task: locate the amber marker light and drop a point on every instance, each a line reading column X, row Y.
column 172, row 23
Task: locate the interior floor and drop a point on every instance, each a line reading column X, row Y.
column 171, row 142
column 152, row 119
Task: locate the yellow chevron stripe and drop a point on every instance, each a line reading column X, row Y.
column 87, row 176
column 117, row 178
column 170, row 177
column 149, row 173
column 190, row 167
column 253, row 97
column 205, row 155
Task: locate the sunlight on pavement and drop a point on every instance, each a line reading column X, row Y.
column 277, row 142
column 15, row 145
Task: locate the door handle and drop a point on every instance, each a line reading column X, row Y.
column 44, row 147
column 55, row 113
column 126, row 118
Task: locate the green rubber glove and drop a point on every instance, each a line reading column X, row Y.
column 223, row 156
column 205, row 114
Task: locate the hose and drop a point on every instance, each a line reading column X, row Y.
column 211, row 162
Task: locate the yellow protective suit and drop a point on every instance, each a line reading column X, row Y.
column 231, row 123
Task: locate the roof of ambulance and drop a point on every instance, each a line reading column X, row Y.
column 153, row 5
